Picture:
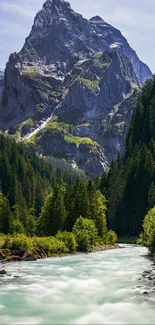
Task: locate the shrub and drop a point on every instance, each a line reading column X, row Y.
column 111, row 237
column 85, row 233
column 69, row 239
column 147, row 236
column 152, row 245
column 18, row 241
column 50, row 245
column 2, row 239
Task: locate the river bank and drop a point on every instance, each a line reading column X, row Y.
column 20, row 255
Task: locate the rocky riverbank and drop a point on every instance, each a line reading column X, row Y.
column 8, row 255
column 20, row 255
column 148, row 277
column 103, row 248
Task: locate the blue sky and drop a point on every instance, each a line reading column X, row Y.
column 135, row 19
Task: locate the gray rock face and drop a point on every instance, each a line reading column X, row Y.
column 116, row 41
column 84, row 74
column 1, row 80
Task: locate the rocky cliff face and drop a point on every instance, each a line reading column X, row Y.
column 1, row 78
column 83, row 74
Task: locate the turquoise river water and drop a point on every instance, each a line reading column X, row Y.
column 96, row 288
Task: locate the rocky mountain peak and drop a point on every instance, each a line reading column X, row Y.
column 96, row 19
column 79, row 75
column 53, row 9
column 56, row 6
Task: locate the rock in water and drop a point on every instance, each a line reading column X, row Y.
column 85, row 74
column 3, row 272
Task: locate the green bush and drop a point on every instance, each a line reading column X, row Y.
column 85, row 233
column 69, row 239
column 111, row 237
column 18, row 241
column 50, row 245
column 147, row 236
column 2, row 239
column 152, row 245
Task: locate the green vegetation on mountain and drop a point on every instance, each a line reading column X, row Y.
column 91, row 84
column 30, row 74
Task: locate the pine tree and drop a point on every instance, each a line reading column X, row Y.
column 152, row 118
column 151, row 196
column 5, row 215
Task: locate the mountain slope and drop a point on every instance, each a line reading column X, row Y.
column 1, row 80
column 82, row 72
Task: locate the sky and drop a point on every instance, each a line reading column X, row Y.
column 135, row 19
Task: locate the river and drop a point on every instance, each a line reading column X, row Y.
column 96, row 288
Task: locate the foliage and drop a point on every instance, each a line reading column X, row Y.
column 147, row 236
column 129, row 185
column 50, row 245
column 65, row 130
column 91, row 84
column 18, row 241
column 80, row 140
column 111, row 237
column 17, row 227
column 2, row 239
column 127, row 240
column 40, row 197
column 69, row 239
column 5, row 214
column 30, row 74
column 86, row 233
column 98, row 212
column 53, row 214
column 28, row 122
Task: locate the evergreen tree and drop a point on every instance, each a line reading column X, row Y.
column 53, row 215
column 151, row 196
column 5, row 215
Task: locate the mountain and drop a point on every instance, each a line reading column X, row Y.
column 72, row 88
column 1, row 78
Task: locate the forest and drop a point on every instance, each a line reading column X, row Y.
column 37, row 200
column 129, row 185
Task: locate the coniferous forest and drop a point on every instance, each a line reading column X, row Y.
column 37, row 201
column 130, row 183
